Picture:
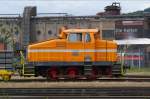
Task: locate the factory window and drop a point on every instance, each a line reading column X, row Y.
column 38, row 32
column 108, row 34
column 75, row 37
column 87, row 37
column 49, row 32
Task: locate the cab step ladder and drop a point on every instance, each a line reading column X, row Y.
column 27, row 70
column 87, row 68
column 116, row 70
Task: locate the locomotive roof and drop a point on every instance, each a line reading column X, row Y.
column 80, row 30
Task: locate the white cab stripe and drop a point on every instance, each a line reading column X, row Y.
column 72, row 50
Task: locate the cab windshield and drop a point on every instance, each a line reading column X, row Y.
column 75, row 37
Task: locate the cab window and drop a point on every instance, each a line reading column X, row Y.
column 75, row 37
column 87, row 37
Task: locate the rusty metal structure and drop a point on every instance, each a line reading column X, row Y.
column 113, row 9
column 26, row 24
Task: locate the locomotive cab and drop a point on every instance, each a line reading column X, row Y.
column 82, row 43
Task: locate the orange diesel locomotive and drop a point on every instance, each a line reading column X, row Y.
column 76, row 53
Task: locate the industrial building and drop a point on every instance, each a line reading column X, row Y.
column 19, row 31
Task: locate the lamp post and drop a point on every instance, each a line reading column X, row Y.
column 139, row 58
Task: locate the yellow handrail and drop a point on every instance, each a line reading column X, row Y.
column 22, row 62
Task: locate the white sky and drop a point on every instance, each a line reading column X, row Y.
column 74, row 7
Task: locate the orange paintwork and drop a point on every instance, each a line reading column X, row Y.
column 61, row 50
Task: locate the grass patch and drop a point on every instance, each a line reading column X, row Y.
column 139, row 71
column 131, row 70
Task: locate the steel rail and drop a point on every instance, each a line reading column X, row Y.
column 105, row 91
column 122, row 79
column 75, row 97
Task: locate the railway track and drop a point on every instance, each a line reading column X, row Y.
column 100, row 80
column 125, row 78
column 78, row 92
column 74, row 97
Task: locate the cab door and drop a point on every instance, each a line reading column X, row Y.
column 89, row 46
column 75, row 47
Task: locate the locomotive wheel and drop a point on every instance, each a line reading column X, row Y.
column 94, row 73
column 72, row 72
column 109, row 71
column 52, row 73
